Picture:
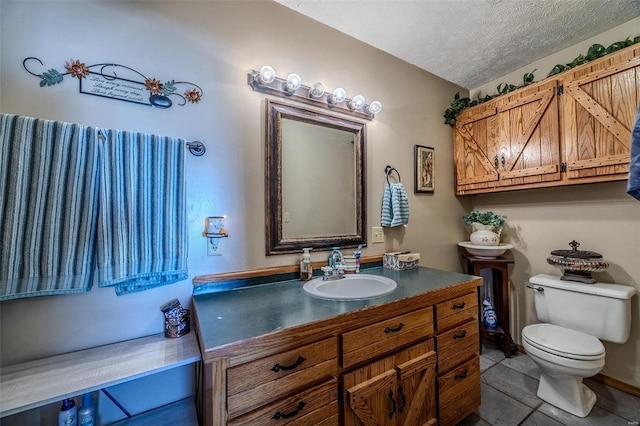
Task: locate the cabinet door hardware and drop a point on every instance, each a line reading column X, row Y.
column 459, row 305
column 393, row 404
column 393, row 330
column 294, row 413
column 279, row 367
column 462, row 375
column 404, row 399
column 460, row 335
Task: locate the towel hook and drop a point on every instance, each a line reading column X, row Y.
column 388, row 170
column 197, row 148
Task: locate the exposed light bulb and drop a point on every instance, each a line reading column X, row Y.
column 267, row 75
column 356, row 103
column 316, row 91
column 293, row 83
column 338, row 95
column 374, row 108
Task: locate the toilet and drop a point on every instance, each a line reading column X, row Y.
column 567, row 345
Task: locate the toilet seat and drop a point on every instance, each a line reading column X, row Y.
column 564, row 342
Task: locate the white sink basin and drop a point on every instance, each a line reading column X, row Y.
column 354, row 286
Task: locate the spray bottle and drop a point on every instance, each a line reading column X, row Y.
column 306, row 269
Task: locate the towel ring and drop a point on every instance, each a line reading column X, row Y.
column 388, row 170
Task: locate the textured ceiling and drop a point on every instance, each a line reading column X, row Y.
column 470, row 42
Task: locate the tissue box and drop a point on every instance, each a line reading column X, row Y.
column 400, row 261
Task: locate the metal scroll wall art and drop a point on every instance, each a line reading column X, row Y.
column 103, row 80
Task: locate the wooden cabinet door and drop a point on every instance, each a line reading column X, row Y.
column 599, row 105
column 416, row 390
column 475, row 138
column 396, row 390
column 373, row 402
column 528, row 150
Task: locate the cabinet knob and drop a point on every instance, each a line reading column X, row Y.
column 460, row 335
column 393, row 330
column 462, row 375
column 459, row 305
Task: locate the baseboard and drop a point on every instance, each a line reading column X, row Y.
column 614, row 383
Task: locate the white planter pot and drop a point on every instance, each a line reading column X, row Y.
column 484, row 235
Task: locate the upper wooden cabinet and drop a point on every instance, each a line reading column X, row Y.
column 572, row 128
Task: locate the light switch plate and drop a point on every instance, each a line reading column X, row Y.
column 377, row 235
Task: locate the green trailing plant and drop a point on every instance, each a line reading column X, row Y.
column 595, row 51
column 484, row 218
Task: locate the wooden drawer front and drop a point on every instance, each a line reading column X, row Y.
column 368, row 342
column 457, row 345
column 258, row 382
column 456, row 311
column 459, row 392
column 314, row 406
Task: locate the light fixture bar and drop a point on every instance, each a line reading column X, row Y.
column 276, row 88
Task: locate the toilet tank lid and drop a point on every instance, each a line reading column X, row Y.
column 616, row 291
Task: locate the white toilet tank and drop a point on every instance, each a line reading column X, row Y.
column 600, row 309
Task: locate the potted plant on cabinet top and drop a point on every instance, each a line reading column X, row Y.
column 486, row 227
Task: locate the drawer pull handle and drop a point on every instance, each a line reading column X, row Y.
column 279, row 367
column 279, row 415
column 404, row 399
column 460, row 335
column 393, row 330
column 459, row 305
column 462, row 375
column 393, row 404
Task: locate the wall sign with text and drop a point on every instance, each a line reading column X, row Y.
column 120, row 82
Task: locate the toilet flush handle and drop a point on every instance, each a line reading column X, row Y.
column 538, row 289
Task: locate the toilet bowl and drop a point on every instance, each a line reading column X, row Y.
column 565, row 357
column 567, row 344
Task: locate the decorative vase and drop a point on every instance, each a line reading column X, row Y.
column 484, row 235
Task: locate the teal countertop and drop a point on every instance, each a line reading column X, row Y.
column 230, row 316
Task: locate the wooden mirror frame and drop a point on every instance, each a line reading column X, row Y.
column 275, row 242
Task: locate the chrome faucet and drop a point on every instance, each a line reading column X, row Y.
column 336, row 261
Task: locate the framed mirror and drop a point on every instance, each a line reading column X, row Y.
column 315, row 180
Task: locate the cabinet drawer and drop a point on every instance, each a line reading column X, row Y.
column 456, row 311
column 258, row 382
column 459, row 392
column 457, row 345
column 368, row 342
column 314, row 406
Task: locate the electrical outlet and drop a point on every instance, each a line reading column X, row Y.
column 214, row 246
column 377, row 235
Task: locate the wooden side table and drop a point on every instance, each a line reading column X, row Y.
column 500, row 277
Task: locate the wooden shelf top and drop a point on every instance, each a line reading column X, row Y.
column 36, row 383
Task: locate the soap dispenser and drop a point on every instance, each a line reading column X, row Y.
column 306, row 269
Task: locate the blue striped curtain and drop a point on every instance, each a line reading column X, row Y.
column 142, row 222
column 48, row 207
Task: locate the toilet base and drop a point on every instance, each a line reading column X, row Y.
column 567, row 393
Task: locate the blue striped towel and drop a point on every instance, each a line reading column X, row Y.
column 633, row 184
column 48, row 207
column 395, row 205
column 142, row 233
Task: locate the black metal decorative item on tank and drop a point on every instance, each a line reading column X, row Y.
column 577, row 265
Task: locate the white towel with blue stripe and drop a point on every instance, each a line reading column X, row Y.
column 395, row 205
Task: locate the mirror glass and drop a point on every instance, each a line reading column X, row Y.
column 315, row 180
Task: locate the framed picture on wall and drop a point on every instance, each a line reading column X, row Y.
column 424, row 169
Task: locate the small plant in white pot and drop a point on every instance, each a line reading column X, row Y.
column 486, row 227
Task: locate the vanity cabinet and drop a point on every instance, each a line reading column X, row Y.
column 568, row 129
column 366, row 362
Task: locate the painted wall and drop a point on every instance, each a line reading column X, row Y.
column 602, row 217
column 214, row 44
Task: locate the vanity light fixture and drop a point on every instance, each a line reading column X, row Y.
column 293, row 83
column 356, row 103
column 338, row 96
column 316, row 91
column 266, row 81
column 267, row 75
column 374, row 108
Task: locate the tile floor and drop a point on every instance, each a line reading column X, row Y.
column 509, row 388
